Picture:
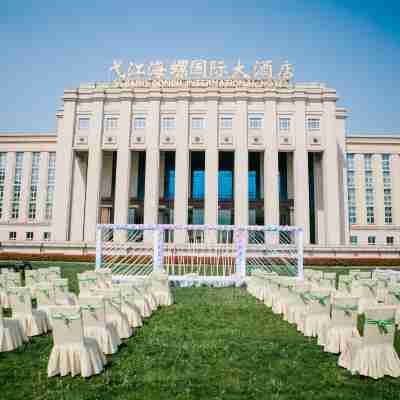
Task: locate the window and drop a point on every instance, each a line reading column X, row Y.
column 369, row 197
column 198, row 123
column 386, row 162
column 46, row 236
column 83, row 123
column 369, row 180
column 351, row 179
column 370, row 215
column 371, row 240
column 110, row 123
column 387, row 179
column 29, row 235
column 368, row 162
column 354, row 240
column 139, row 123
column 388, row 215
column 352, row 215
column 255, row 121
column 34, row 188
column 226, row 122
column 3, row 165
column 313, row 123
column 168, row 123
column 389, row 240
column 284, row 124
column 12, row 235
column 350, row 162
column 16, row 197
column 51, row 181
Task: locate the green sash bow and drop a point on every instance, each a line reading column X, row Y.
column 305, row 297
column 84, row 279
column 116, row 300
column 67, row 318
column 346, row 308
column 381, row 323
column 395, row 294
column 370, row 286
column 321, row 299
column 91, row 307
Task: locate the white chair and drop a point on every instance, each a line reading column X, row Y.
column 393, row 298
column 33, row 322
column 14, row 279
column 104, row 278
column 143, row 286
column 160, row 288
column 328, row 280
column 45, row 297
column 294, row 309
column 95, row 325
column 32, row 277
column 12, row 335
column 342, row 327
column 344, row 285
column 4, row 300
column 366, row 290
column 373, row 354
column 72, row 353
column 87, row 282
column 61, row 293
column 133, row 296
column 131, row 312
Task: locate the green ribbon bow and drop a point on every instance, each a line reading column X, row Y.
column 83, row 279
column 116, row 300
column 347, row 283
column 321, row 299
column 381, row 323
column 67, row 318
column 370, row 286
column 91, row 307
column 305, row 297
column 395, row 294
column 346, row 308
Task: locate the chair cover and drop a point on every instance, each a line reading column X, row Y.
column 11, row 334
column 4, row 300
column 45, row 297
column 161, row 290
column 95, row 325
column 32, row 277
column 373, row 355
column 87, row 282
column 33, row 322
column 72, row 353
column 342, row 327
column 366, row 290
column 62, row 295
column 134, row 297
column 298, row 303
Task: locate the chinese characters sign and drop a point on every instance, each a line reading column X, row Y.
column 200, row 73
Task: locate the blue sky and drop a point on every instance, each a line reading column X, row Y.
column 353, row 46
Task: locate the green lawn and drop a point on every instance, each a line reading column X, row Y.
column 212, row 344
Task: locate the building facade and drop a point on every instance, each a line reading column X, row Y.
column 186, row 153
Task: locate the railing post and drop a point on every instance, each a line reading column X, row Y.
column 300, row 253
column 158, row 249
column 98, row 247
column 240, row 246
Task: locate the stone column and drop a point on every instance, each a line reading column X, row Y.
column 25, row 186
column 211, row 168
column 121, row 202
column 78, row 197
column 8, row 185
column 241, row 180
column 64, row 161
column 300, row 171
column 378, row 189
column 181, row 169
column 394, row 170
column 271, row 168
column 94, row 170
column 331, row 167
column 42, row 194
column 152, row 173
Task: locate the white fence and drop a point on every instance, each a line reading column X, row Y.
column 202, row 250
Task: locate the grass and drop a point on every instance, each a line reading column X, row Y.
column 212, row 344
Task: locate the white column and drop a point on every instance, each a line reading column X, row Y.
column 94, row 171
column 8, row 185
column 121, row 201
column 42, row 194
column 378, row 189
column 64, row 160
column 271, row 168
column 332, row 190
column 25, row 186
column 300, row 172
column 395, row 169
column 211, row 167
column 241, row 181
column 151, row 193
column 181, row 169
column 78, row 198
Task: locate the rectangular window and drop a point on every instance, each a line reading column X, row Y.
column 351, row 179
column 369, row 197
column 354, row 240
column 29, row 235
column 255, row 121
column 139, row 123
column 352, row 215
column 386, row 162
column 83, row 123
column 34, row 189
column 16, row 197
column 389, row 240
column 51, row 181
column 313, row 123
column 387, row 197
column 226, row 122
column 368, row 162
column 168, row 123
column 351, row 166
column 369, row 179
column 370, row 215
column 284, row 124
column 388, row 215
column 3, row 166
column 110, row 123
column 12, row 235
column 371, row 240
column 387, row 179
column 198, row 123
column 46, row 236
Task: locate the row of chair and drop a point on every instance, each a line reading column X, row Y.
column 321, row 309
column 85, row 327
